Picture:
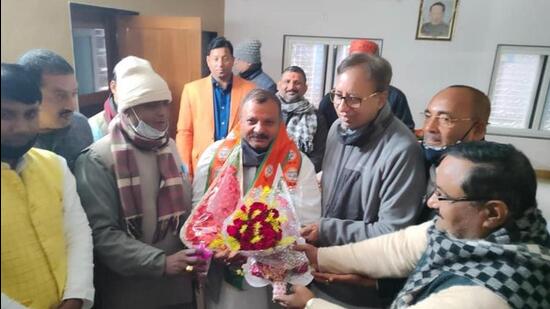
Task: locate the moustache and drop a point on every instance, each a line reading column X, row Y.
column 66, row 112
column 259, row 136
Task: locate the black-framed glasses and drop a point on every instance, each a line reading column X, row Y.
column 443, row 120
column 442, row 198
column 352, row 101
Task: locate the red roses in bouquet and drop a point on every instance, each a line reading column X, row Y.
column 255, row 227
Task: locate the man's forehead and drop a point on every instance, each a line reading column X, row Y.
column 65, row 82
column 292, row 75
column 220, row 51
column 453, row 166
column 354, row 82
column 451, row 101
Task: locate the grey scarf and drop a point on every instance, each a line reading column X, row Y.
column 301, row 123
column 513, row 262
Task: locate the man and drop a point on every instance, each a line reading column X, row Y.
column 396, row 98
column 248, row 64
column 373, row 171
column 487, row 248
column 136, row 197
column 436, row 27
column 47, row 259
column 209, row 106
column 62, row 129
column 265, row 147
column 304, row 124
column 455, row 114
column 99, row 123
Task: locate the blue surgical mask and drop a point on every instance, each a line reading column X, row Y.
column 146, row 130
column 432, row 154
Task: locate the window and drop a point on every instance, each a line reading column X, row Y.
column 519, row 92
column 95, row 53
column 318, row 57
column 91, row 56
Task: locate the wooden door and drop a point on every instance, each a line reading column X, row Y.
column 171, row 44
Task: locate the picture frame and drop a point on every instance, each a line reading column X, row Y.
column 436, row 20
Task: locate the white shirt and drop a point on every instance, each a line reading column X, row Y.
column 306, row 196
column 78, row 237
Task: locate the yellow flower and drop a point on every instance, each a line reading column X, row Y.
column 233, row 244
column 256, row 239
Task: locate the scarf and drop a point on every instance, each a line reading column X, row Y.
column 251, row 158
column 512, row 262
column 355, row 137
column 282, row 151
column 254, row 70
column 170, row 200
column 109, row 108
column 301, row 122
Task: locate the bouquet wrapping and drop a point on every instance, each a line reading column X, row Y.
column 263, row 227
column 205, row 223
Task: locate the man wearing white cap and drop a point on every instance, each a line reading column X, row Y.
column 135, row 191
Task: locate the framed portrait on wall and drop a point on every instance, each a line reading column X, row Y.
column 436, row 19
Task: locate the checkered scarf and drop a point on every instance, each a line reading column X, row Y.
column 302, row 125
column 515, row 265
column 170, row 200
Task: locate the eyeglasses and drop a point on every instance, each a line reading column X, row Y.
column 441, row 198
column 351, row 101
column 443, row 120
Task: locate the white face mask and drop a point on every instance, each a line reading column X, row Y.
column 146, row 130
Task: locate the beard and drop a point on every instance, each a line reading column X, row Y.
column 10, row 152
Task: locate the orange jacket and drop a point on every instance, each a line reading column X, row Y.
column 197, row 115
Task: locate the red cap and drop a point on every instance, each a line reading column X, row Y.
column 363, row 46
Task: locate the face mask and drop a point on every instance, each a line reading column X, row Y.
column 146, row 130
column 14, row 153
column 432, row 155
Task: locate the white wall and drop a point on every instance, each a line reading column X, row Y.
column 421, row 68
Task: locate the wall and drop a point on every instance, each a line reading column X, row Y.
column 30, row 24
column 421, row 68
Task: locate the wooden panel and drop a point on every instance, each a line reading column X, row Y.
column 171, row 44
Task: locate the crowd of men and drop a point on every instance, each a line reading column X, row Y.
column 92, row 208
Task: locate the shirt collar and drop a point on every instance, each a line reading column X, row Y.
column 217, row 85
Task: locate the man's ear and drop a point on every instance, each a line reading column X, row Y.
column 496, row 213
column 382, row 98
column 479, row 131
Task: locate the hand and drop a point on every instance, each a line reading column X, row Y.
column 344, row 278
column 230, row 258
column 311, row 253
column 298, row 299
column 71, row 303
column 177, row 263
column 311, row 233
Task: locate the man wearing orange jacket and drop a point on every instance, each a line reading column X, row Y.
column 210, row 106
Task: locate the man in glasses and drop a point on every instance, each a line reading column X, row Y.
column 455, row 114
column 373, row 171
column 487, row 248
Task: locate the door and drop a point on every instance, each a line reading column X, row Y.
column 171, row 44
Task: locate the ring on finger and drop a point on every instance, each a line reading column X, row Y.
column 189, row 268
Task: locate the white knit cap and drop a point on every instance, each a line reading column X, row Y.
column 137, row 83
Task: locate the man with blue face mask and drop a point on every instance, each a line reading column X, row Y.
column 455, row 114
column 135, row 191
